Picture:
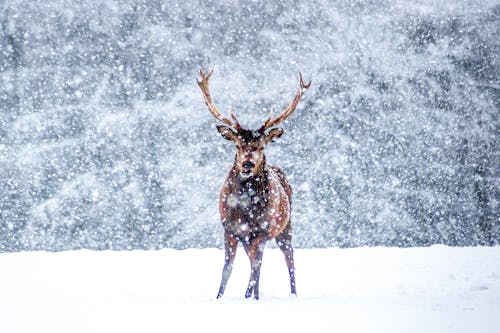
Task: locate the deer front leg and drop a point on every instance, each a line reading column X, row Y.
column 255, row 251
column 284, row 241
column 230, row 244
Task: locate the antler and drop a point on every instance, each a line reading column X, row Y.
column 203, row 83
column 289, row 110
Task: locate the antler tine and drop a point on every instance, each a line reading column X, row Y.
column 289, row 110
column 233, row 117
column 203, row 84
column 268, row 119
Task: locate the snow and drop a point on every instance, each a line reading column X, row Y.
column 431, row 289
column 106, row 144
column 104, row 133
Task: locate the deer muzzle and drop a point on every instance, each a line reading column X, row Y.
column 246, row 168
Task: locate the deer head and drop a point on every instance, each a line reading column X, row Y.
column 250, row 144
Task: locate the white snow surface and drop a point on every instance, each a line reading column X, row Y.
column 434, row 289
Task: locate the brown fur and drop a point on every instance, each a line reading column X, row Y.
column 253, row 210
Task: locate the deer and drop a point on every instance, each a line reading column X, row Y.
column 255, row 199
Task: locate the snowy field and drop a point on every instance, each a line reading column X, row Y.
column 436, row 289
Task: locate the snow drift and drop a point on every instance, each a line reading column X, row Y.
column 435, row 289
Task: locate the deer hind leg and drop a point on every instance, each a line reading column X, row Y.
column 284, row 241
column 231, row 244
column 255, row 251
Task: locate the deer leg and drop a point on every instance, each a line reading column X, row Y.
column 230, row 244
column 255, row 251
column 284, row 241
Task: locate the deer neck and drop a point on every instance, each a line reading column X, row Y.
column 252, row 195
column 255, row 185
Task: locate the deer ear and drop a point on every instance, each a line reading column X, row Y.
column 226, row 132
column 274, row 134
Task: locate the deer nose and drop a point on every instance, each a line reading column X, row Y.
column 248, row 165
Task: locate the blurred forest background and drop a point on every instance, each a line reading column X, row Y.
column 105, row 142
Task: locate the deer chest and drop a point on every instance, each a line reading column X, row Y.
column 246, row 212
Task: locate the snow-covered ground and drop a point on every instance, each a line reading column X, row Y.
column 436, row 289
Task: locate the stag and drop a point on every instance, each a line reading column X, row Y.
column 255, row 200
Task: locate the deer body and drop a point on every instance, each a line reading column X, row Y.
column 253, row 211
column 257, row 206
column 255, row 200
